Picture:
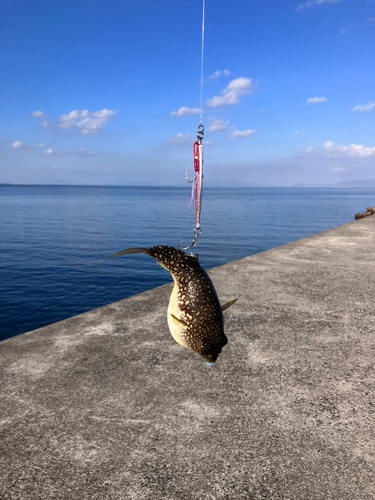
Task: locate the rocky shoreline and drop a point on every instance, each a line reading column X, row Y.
column 369, row 211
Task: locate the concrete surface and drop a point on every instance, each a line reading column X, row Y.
column 106, row 405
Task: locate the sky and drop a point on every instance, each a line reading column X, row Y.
column 107, row 92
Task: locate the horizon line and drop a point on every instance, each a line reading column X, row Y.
column 295, row 186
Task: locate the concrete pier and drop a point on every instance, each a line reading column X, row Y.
column 106, row 405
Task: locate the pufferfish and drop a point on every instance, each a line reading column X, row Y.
column 195, row 316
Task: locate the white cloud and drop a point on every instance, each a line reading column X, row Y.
column 369, row 19
column 216, row 75
column 351, row 151
column 232, row 94
column 299, row 132
column 65, row 152
column 344, row 31
column 241, row 133
column 180, row 138
column 365, row 107
column 40, row 114
column 312, row 3
column 333, row 150
column 316, row 100
column 89, row 123
column 218, row 126
column 21, row 145
column 184, row 111
column 24, row 146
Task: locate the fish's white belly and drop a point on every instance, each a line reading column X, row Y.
column 177, row 329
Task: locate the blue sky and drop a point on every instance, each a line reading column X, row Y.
column 106, row 91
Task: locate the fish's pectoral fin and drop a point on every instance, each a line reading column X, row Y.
column 162, row 265
column 129, row 251
column 228, row 304
column 177, row 321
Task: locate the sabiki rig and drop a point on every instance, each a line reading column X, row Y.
column 195, row 316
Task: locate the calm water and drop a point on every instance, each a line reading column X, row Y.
column 54, row 240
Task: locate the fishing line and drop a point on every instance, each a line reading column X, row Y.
column 196, row 191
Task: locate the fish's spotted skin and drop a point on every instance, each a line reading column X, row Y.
column 195, row 302
column 195, row 317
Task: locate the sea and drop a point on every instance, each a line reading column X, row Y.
column 55, row 240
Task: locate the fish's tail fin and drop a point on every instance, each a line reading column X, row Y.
column 130, row 251
column 228, row 304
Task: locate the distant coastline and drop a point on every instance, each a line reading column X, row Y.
column 357, row 183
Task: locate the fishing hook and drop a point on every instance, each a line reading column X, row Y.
column 197, row 232
column 187, row 177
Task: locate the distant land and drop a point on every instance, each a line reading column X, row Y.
column 149, row 184
column 229, row 185
column 358, row 183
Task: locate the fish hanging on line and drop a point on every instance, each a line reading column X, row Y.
column 195, row 317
